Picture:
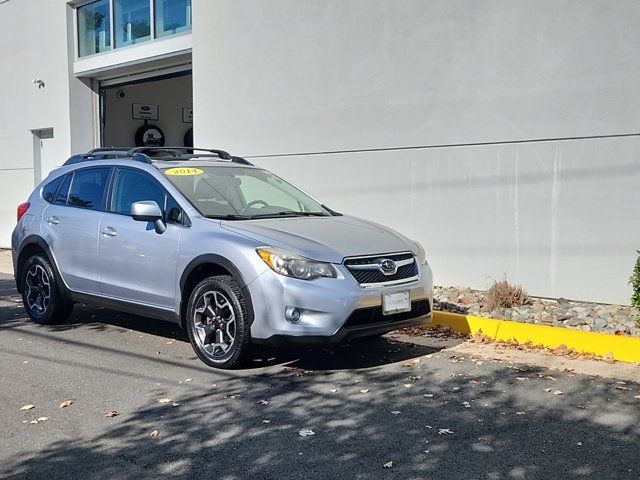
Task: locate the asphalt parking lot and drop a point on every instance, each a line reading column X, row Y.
column 393, row 407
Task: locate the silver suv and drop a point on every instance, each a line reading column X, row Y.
column 231, row 252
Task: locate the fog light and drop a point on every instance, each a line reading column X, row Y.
column 292, row 314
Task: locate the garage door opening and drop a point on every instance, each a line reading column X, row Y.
column 150, row 112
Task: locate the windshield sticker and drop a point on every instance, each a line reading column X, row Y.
column 183, row 171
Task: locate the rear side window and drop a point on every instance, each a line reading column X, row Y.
column 49, row 190
column 63, row 193
column 88, row 188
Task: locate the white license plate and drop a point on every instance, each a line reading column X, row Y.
column 396, row 302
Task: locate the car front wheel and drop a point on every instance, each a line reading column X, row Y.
column 217, row 322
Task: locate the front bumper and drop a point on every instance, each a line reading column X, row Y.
column 327, row 303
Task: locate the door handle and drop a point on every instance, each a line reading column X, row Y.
column 109, row 231
column 53, row 220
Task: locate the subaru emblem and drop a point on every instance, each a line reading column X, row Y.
column 388, row 267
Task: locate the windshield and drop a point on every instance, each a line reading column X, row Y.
column 238, row 193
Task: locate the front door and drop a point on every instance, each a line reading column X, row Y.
column 137, row 264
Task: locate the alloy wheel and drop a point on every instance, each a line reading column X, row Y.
column 38, row 294
column 215, row 324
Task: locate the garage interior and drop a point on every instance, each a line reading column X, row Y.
column 167, row 100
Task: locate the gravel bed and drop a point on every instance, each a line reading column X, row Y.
column 590, row 317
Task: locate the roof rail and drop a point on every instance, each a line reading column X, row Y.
column 104, row 154
column 182, row 152
column 174, row 151
column 148, row 154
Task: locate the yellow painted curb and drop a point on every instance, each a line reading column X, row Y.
column 624, row 349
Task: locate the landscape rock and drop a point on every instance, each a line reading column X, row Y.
column 586, row 316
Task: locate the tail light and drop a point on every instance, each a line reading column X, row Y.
column 22, row 209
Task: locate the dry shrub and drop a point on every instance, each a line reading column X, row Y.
column 504, row 295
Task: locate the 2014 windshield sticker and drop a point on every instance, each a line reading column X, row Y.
column 183, row 171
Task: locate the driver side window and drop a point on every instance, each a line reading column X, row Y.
column 255, row 190
column 133, row 186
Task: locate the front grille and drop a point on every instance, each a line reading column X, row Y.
column 371, row 316
column 376, row 276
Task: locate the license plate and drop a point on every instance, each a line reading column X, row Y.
column 396, row 302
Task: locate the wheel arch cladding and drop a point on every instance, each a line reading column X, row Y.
column 32, row 245
column 209, row 265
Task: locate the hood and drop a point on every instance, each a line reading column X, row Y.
column 328, row 239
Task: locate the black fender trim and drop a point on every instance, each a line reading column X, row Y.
column 225, row 263
column 40, row 242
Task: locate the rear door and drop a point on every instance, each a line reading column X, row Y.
column 70, row 226
column 137, row 264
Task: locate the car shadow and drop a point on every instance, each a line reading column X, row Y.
column 356, row 354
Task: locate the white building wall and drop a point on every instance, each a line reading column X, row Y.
column 35, row 44
column 291, row 81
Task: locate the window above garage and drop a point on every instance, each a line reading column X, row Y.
column 104, row 25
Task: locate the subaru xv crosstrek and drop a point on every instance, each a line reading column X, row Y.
column 231, row 252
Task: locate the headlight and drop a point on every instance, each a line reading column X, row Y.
column 293, row 265
column 422, row 255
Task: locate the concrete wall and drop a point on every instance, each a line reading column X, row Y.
column 170, row 95
column 34, row 44
column 435, row 82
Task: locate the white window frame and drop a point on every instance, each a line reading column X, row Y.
column 152, row 18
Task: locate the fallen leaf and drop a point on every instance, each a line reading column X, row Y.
column 111, row 413
column 189, row 380
column 65, row 404
column 263, row 402
column 266, row 421
column 306, row 432
column 426, row 451
column 558, row 392
column 175, row 404
column 333, row 390
column 428, row 395
column 520, row 413
column 411, row 363
column 164, row 400
column 445, row 431
column 408, row 385
column 521, row 379
column 366, row 390
column 387, row 465
column 27, row 407
column 548, row 389
column 43, row 419
column 637, row 397
column 155, row 433
column 579, row 444
column 34, row 422
column 395, row 412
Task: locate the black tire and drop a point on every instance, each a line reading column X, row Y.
column 209, row 333
column 38, row 270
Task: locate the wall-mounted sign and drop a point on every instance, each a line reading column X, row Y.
column 144, row 111
column 187, row 114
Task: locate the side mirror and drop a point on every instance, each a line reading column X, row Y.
column 148, row 211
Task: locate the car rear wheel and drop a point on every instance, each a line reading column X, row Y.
column 41, row 296
column 217, row 322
